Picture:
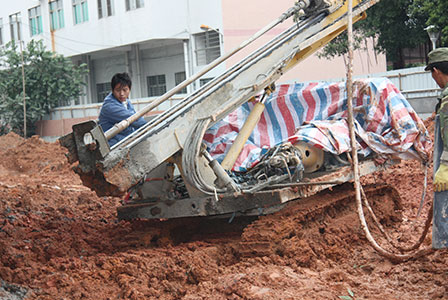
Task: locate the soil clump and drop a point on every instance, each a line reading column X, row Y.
column 58, row 240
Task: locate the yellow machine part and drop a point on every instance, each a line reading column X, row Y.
column 312, row 157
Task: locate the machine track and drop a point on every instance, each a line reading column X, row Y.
column 311, row 225
column 323, row 225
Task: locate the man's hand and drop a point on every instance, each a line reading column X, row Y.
column 441, row 178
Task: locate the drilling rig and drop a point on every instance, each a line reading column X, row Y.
column 165, row 169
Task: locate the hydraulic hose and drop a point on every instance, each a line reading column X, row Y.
column 190, row 156
column 390, row 255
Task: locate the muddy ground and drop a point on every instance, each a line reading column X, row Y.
column 58, row 240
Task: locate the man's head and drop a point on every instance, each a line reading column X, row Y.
column 121, row 86
column 438, row 65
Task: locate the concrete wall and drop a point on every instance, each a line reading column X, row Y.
column 156, row 39
column 107, row 66
column 162, row 60
column 51, row 130
column 242, row 19
column 174, row 19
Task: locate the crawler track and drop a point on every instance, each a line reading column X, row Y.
column 324, row 217
column 326, row 220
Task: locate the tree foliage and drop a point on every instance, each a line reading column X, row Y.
column 433, row 12
column 339, row 46
column 50, row 78
column 394, row 25
column 396, row 29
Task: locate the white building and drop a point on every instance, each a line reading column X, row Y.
column 160, row 43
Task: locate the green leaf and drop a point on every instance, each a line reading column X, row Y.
column 394, row 25
column 49, row 79
column 350, row 293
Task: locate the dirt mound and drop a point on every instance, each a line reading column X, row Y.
column 324, row 221
column 58, row 240
column 33, row 156
column 10, row 141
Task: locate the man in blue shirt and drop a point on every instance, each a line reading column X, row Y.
column 117, row 107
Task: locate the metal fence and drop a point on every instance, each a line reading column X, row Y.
column 414, row 83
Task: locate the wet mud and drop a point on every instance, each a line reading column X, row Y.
column 59, row 240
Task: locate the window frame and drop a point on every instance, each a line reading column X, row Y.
column 207, row 46
column 80, row 11
column 157, row 89
column 105, row 8
column 56, row 11
column 180, row 77
column 134, row 4
column 35, row 20
column 1, row 31
column 105, row 90
column 15, row 27
column 204, row 81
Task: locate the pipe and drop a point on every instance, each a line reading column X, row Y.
column 247, row 129
column 142, row 131
column 125, row 123
column 243, row 136
column 187, row 63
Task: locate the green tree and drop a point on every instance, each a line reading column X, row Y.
column 392, row 26
column 51, row 79
column 396, row 29
column 433, row 12
column 339, row 46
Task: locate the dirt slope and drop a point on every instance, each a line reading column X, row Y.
column 58, row 240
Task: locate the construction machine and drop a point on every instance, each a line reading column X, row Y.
column 165, row 170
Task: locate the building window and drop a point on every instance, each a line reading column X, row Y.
column 134, row 4
column 179, row 78
column 35, row 20
column 14, row 24
column 204, row 81
column 56, row 15
column 207, row 47
column 102, row 90
column 1, row 31
column 80, row 11
column 105, row 8
column 156, row 85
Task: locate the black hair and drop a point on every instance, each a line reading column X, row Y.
column 122, row 79
column 442, row 66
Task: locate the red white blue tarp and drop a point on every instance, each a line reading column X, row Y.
column 385, row 123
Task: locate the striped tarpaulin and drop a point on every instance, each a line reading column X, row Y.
column 385, row 123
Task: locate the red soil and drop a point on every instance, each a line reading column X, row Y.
column 60, row 241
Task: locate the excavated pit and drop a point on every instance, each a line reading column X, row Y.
column 59, row 240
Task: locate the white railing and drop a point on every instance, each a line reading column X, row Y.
column 93, row 110
column 414, row 83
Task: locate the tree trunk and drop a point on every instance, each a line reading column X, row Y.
column 399, row 63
